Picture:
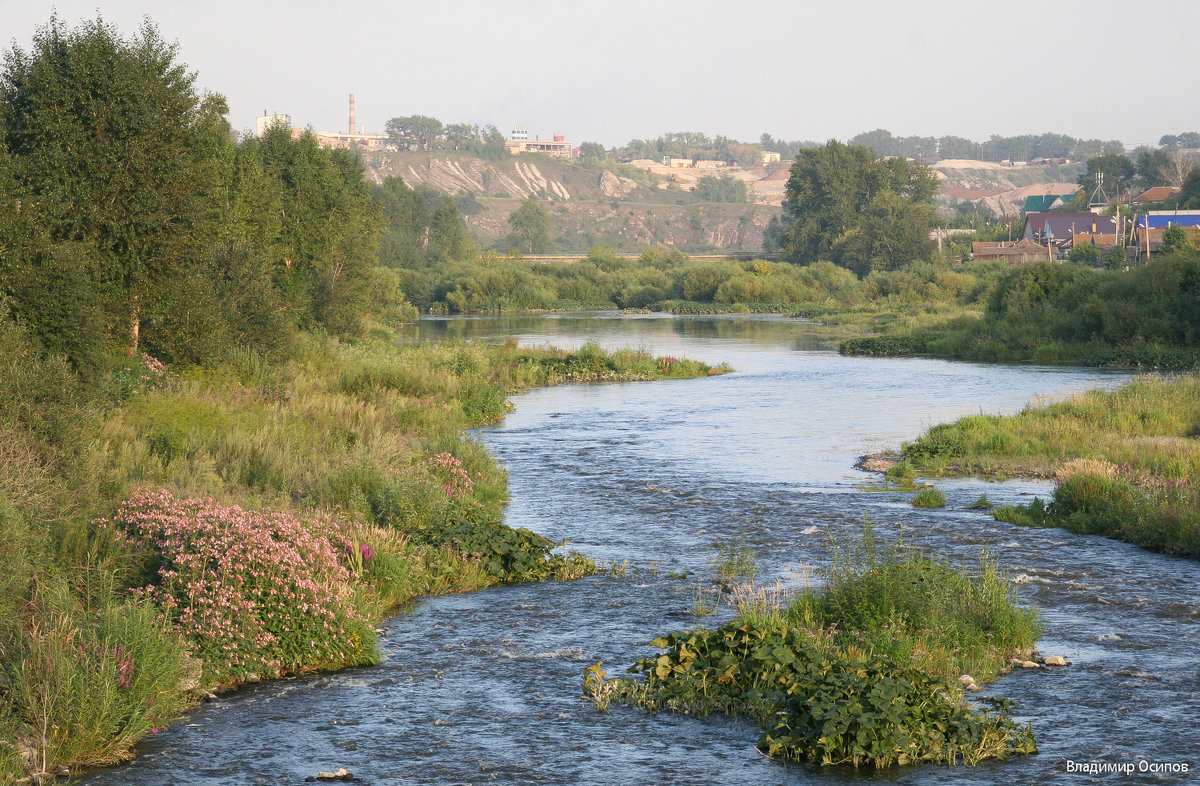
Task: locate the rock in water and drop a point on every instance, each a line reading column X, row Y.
column 342, row 774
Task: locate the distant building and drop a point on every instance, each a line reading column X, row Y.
column 354, row 137
column 678, row 163
column 1013, row 252
column 770, row 157
column 343, row 141
column 1156, row 194
column 1064, row 229
column 710, row 164
column 1149, row 227
column 269, row 121
column 559, row 148
column 1040, row 203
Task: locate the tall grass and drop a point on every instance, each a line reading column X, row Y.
column 1140, row 440
column 336, row 480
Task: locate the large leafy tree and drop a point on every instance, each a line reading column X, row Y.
column 530, row 228
column 329, row 230
column 845, row 204
column 113, row 149
column 416, row 132
column 1114, row 171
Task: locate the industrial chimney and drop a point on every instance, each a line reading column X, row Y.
column 352, row 113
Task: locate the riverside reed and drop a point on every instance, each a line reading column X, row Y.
column 863, row 672
column 1125, row 462
column 168, row 533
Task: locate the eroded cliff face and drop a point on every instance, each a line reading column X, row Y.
column 577, row 226
column 586, row 205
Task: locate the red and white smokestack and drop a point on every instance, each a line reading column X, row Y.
column 352, row 113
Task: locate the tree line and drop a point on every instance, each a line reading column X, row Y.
column 1023, row 147
column 421, row 132
column 132, row 219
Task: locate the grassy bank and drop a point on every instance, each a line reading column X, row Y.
column 1043, row 312
column 1125, row 462
column 866, row 671
column 168, row 534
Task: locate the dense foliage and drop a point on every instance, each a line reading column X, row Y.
column 1047, row 312
column 862, row 212
column 216, row 463
column 130, row 217
column 420, row 132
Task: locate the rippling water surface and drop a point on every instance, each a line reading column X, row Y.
column 485, row 687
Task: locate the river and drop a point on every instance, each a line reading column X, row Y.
column 485, row 687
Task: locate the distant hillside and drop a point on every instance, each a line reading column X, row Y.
column 629, row 207
column 1002, row 189
column 624, row 207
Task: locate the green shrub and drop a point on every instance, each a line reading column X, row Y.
column 929, row 497
column 885, row 346
column 864, row 672
column 842, row 708
column 93, row 678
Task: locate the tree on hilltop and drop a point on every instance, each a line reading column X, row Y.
column 415, row 132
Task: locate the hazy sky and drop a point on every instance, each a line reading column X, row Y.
column 612, row 71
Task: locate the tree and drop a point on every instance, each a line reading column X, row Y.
column 329, row 233
column 1116, row 171
column 114, row 149
column 836, row 193
column 891, row 233
column 1189, row 194
column 530, row 228
column 1189, row 139
column 592, row 151
column 1085, row 254
column 959, row 147
column 1174, row 239
column 722, row 189
column 1175, row 169
column 415, row 132
column 448, row 237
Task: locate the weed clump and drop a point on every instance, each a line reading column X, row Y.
column 862, row 672
column 929, row 497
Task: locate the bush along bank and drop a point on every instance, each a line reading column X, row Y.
column 865, row 672
column 1043, row 312
column 1125, row 463
column 169, row 533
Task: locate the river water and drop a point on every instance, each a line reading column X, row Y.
column 485, row 687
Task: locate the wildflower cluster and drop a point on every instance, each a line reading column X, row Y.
column 357, row 555
column 256, row 593
column 124, row 661
column 450, row 473
column 146, row 374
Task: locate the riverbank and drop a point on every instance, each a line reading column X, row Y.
column 1049, row 313
column 271, row 514
column 1125, row 462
